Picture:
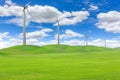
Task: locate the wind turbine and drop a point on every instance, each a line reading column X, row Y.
column 105, row 43
column 86, row 39
column 58, row 32
column 24, row 21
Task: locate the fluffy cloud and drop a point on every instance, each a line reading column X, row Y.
column 32, row 38
column 11, row 11
column 93, row 7
column 108, row 43
column 72, row 18
column 18, row 21
column 42, row 14
column 38, row 34
column 32, row 41
column 74, row 42
column 3, row 44
column 4, row 35
column 98, row 42
column 3, row 40
column 9, row 2
column 109, row 21
column 70, row 34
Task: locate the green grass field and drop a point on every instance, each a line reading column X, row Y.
column 59, row 63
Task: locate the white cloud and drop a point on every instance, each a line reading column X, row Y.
column 112, row 43
column 97, row 42
column 3, row 40
column 4, row 35
column 32, row 41
column 11, row 11
column 46, row 30
column 42, row 14
column 7, row 41
column 37, row 34
column 40, row 27
column 70, row 34
column 109, row 21
column 14, row 41
column 3, row 44
column 76, row 17
column 74, row 42
column 93, row 7
column 17, row 21
column 42, row 43
column 32, row 38
column 9, row 2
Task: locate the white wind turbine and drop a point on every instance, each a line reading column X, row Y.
column 58, row 32
column 86, row 39
column 105, row 43
column 24, row 20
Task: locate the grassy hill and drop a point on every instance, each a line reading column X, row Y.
column 53, row 62
column 31, row 49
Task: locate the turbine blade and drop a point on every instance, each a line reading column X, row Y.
column 28, row 3
column 30, row 14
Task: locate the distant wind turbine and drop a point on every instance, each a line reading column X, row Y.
column 86, row 39
column 58, row 32
column 105, row 43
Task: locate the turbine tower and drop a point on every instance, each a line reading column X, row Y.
column 105, row 43
column 24, row 21
column 58, row 32
column 24, row 26
column 86, row 39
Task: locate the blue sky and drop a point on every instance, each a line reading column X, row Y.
column 100, row 19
